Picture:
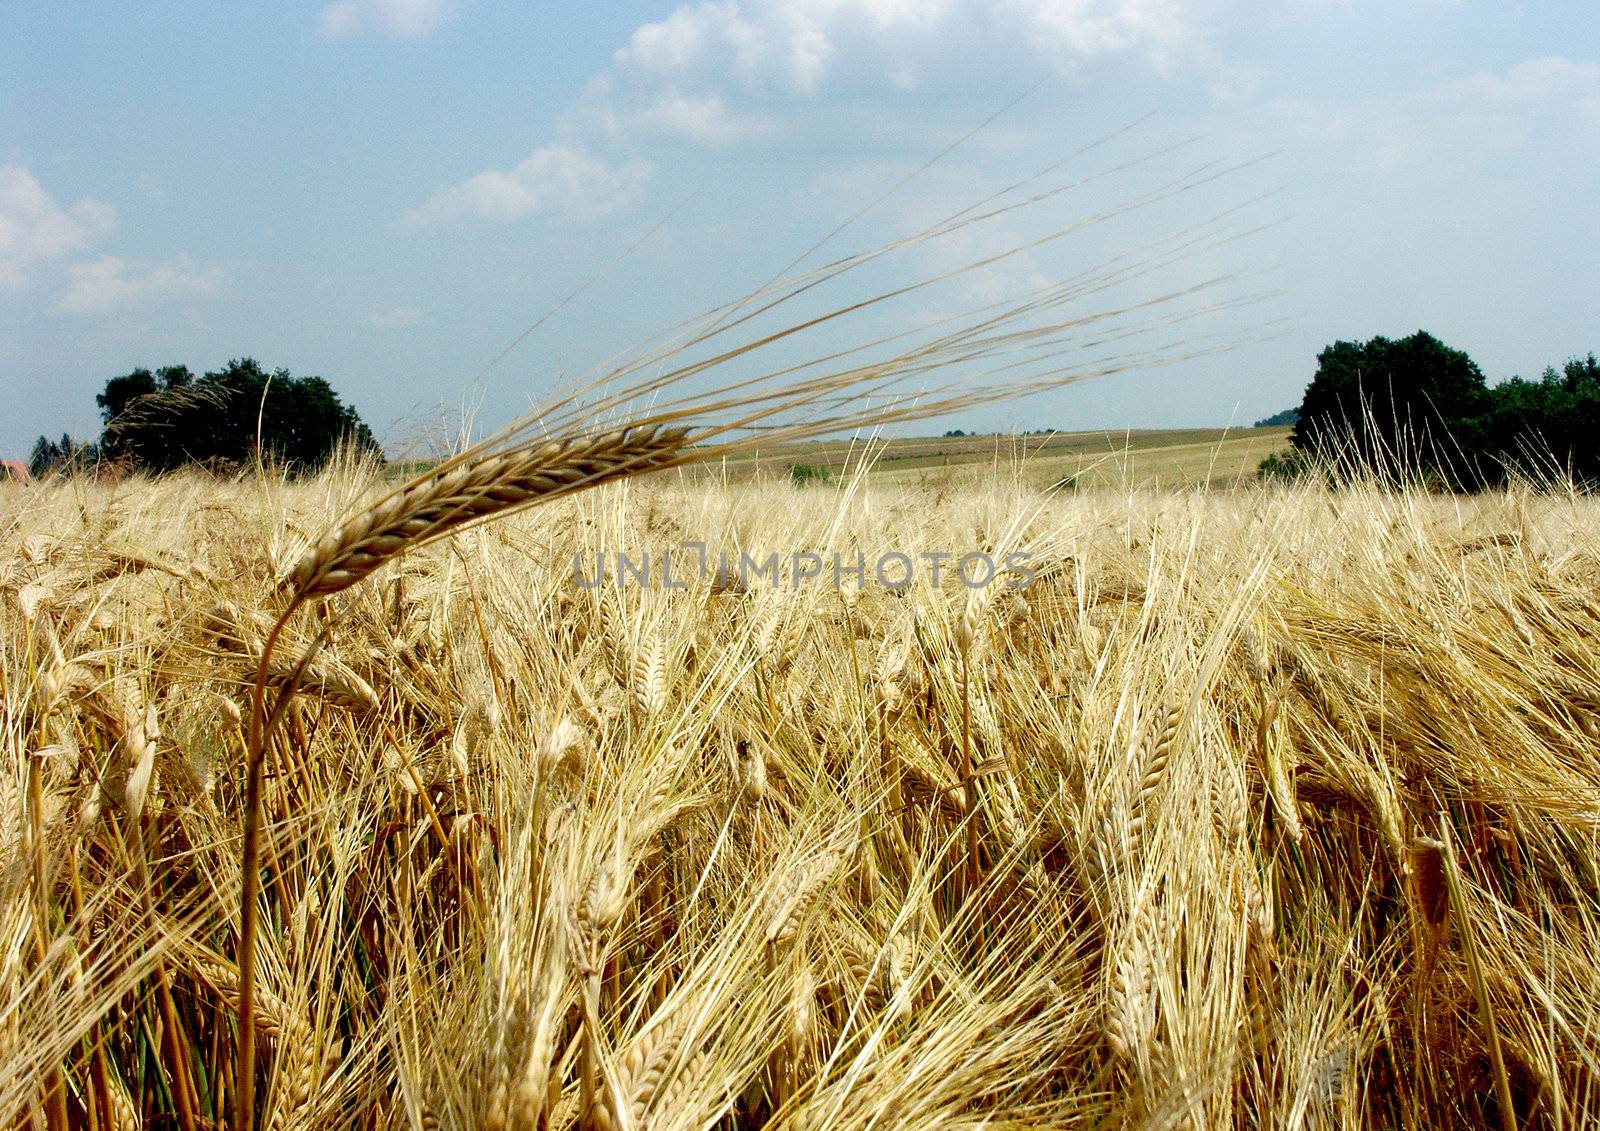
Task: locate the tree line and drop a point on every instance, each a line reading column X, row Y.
column 163, row 419
column 1415, row 409
column 1409, row 408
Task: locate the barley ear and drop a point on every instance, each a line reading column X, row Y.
column 787, row 908
column 432, row 506
column 1129, row 990
column 1155, row 755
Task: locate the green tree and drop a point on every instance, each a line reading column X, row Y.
column 1548, row 427
column 137, row 411
column 1395, row 408
column 173, row 377
column 45, row 457
column 1287, row 416
column 63, row 455
column 1416, row 408
column 120, row 438
column 163, row 420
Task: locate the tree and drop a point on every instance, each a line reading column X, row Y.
column 46, row 456
column 1415, row 408
column 137, row 411
column 129, row 408
column 1550, row 426
column 63, row 455
column 1287, row 416
column 121, row 393
column 174, row 377
column 1396, row 408
column 163, row 420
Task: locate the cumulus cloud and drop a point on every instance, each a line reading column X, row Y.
column 558, row 179
column 720, row 73
column 400, row 19
column 786, row 44
column 793, row 45
column 693, row 37
column 108, row 285
column 35, row 230
column 1101, row 27
column 715, row 73
column 703, row 120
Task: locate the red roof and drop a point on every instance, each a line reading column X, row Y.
column 14, row 469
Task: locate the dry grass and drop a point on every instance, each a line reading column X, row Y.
column 1270, row 808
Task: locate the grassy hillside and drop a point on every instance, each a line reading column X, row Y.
column 1141, row 457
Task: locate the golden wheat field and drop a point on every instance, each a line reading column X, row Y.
column 1259, row 808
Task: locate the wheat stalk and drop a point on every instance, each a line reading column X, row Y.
column 426, row 509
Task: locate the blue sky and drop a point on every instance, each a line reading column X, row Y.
column 388, row 192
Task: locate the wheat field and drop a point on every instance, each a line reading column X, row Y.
column 1272, row 807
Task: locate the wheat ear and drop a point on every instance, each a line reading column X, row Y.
column 801, row 1021
column 1269, row 741
column 648, row 681
column 1129, row 989
column 298, row 1073
column 434, row 506
column 645, row 1074
column 787, row 906
column 1155, row 755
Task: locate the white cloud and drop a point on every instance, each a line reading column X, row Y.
column 400, row 318
column 1542, row 108
column 692, row 37
column 35, row 230
column 1101, row 27
column 401, row 19
column 703, row 120
column 1550, row 81
column 794, row 45
column 1541, row 111
column 764, row 43
column 719, row 72
column 556, row 179
column 108, row 284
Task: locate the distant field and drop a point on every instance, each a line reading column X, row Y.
column 1135, row 457
column 1177, row 457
